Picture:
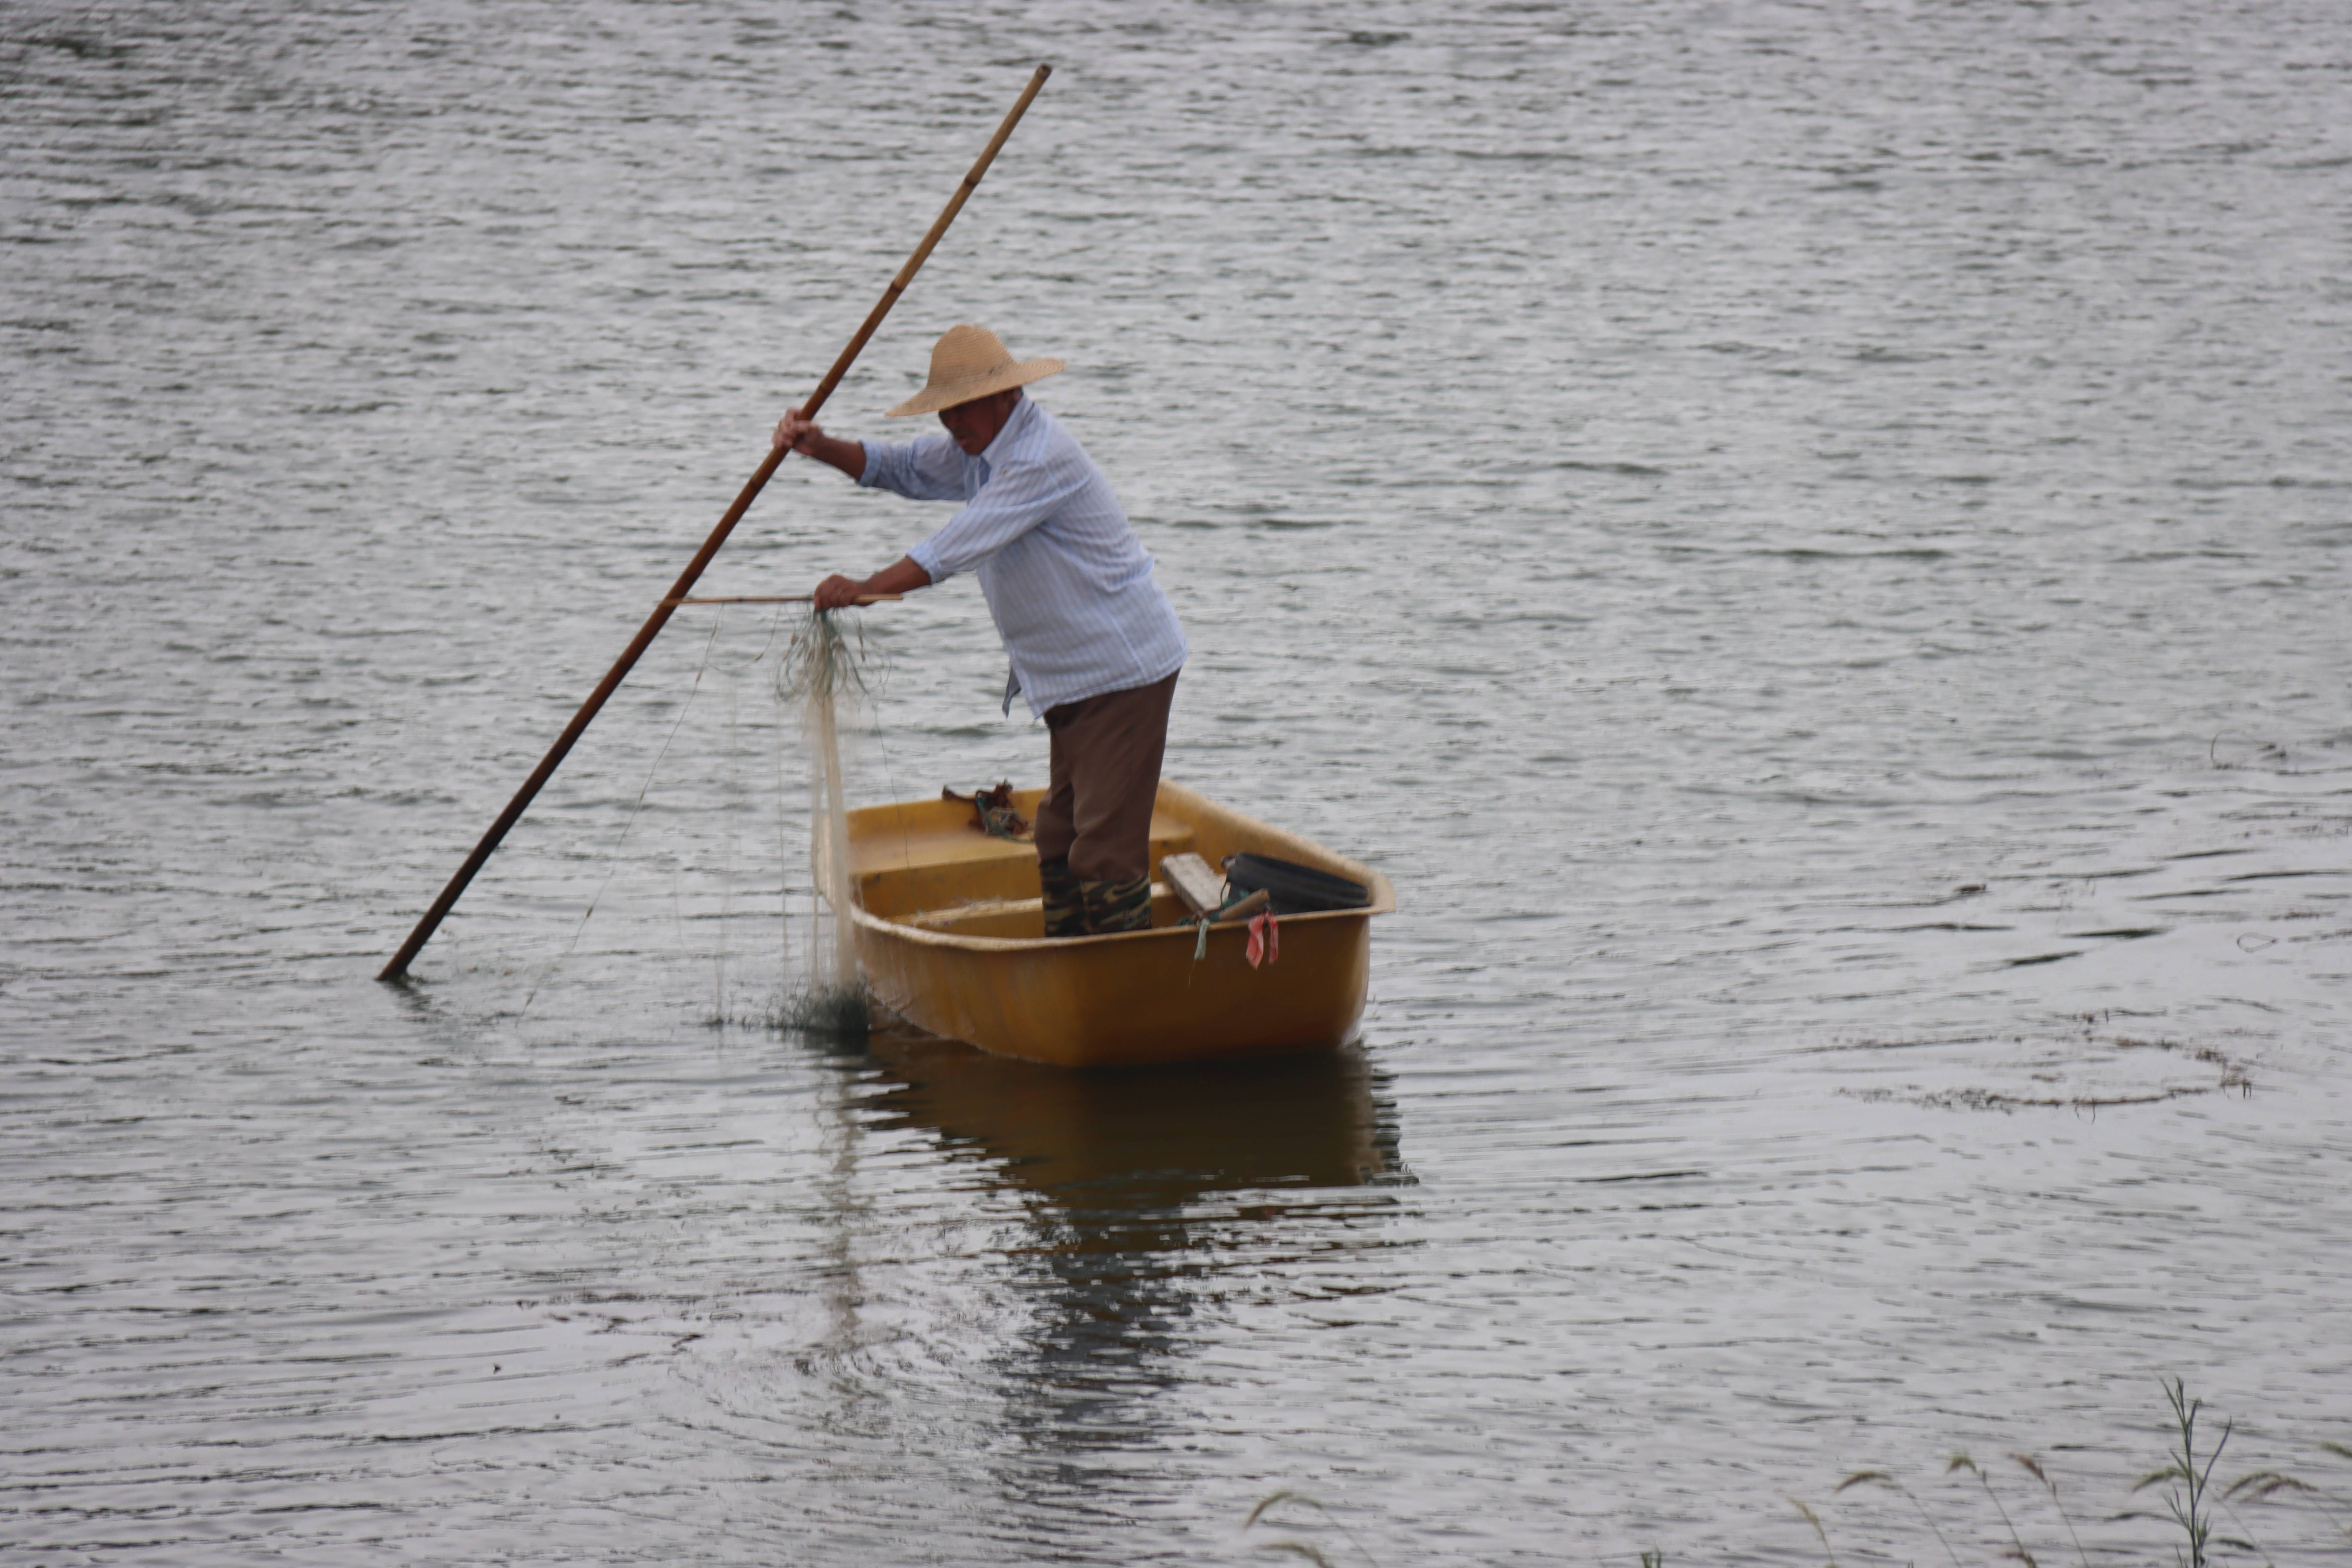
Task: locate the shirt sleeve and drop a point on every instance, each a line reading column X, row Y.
column 1018, row 498
column 929, row 469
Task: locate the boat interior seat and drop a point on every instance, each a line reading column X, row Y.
column 918, row 857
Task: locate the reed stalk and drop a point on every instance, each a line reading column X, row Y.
column 2190, row 1480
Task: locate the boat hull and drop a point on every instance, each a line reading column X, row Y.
column 950, row 937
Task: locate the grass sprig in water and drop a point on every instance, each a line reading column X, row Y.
column 1881, row 1478
column 2032, row 1466
column 2270, row 1486
column 2016, row 1546
column 2195, row 1503
column 1274, row 1501
column 1815, row 1521
column 2190, row 1480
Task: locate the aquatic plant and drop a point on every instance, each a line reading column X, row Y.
column 2192, row 1504
column 2032, row 1466
column 1275, row 1501
column 2185, row 1503
column 2270, row 1486
column 2017, row 1547
column 1815, row 1521
column 1880, row 1478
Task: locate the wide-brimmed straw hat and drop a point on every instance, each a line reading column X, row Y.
column 970, row 362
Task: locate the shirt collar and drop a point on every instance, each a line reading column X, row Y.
column 1016, row 424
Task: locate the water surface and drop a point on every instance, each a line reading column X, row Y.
column 1809, row 544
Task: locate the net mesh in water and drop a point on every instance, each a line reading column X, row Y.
column 687, row 876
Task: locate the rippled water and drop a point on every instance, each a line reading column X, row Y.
column 1810, row 543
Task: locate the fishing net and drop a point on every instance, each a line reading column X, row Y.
column 819, row 669
column 698, row 893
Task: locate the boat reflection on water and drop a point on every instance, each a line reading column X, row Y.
column 1145, row 1139
column 1153, row 1201
column 1099, row 1228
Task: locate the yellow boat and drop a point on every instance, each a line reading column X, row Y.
column 950, row 935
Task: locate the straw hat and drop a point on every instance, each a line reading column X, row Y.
column 970, row 362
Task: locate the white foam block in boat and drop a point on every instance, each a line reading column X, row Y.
column 1200, row 885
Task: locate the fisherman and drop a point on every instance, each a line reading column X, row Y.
column 1094, row 645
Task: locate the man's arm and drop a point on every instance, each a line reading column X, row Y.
column 904, row 577
column 803, row 435
column 799, row 433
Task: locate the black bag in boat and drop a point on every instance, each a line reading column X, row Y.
column 1294, row 889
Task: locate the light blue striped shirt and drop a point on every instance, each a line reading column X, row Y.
column 1067, row 581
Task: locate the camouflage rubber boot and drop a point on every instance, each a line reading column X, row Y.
column 1065, row 906
column 1117, row 906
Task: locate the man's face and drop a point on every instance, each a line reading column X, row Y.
column 975, row 423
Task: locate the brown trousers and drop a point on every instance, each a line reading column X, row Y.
column 1104, row 774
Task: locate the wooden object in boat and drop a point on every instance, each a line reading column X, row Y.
column 1190, row 878
column 950, row 935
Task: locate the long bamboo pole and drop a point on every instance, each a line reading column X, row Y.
column 669, row 602
column 861, row 601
